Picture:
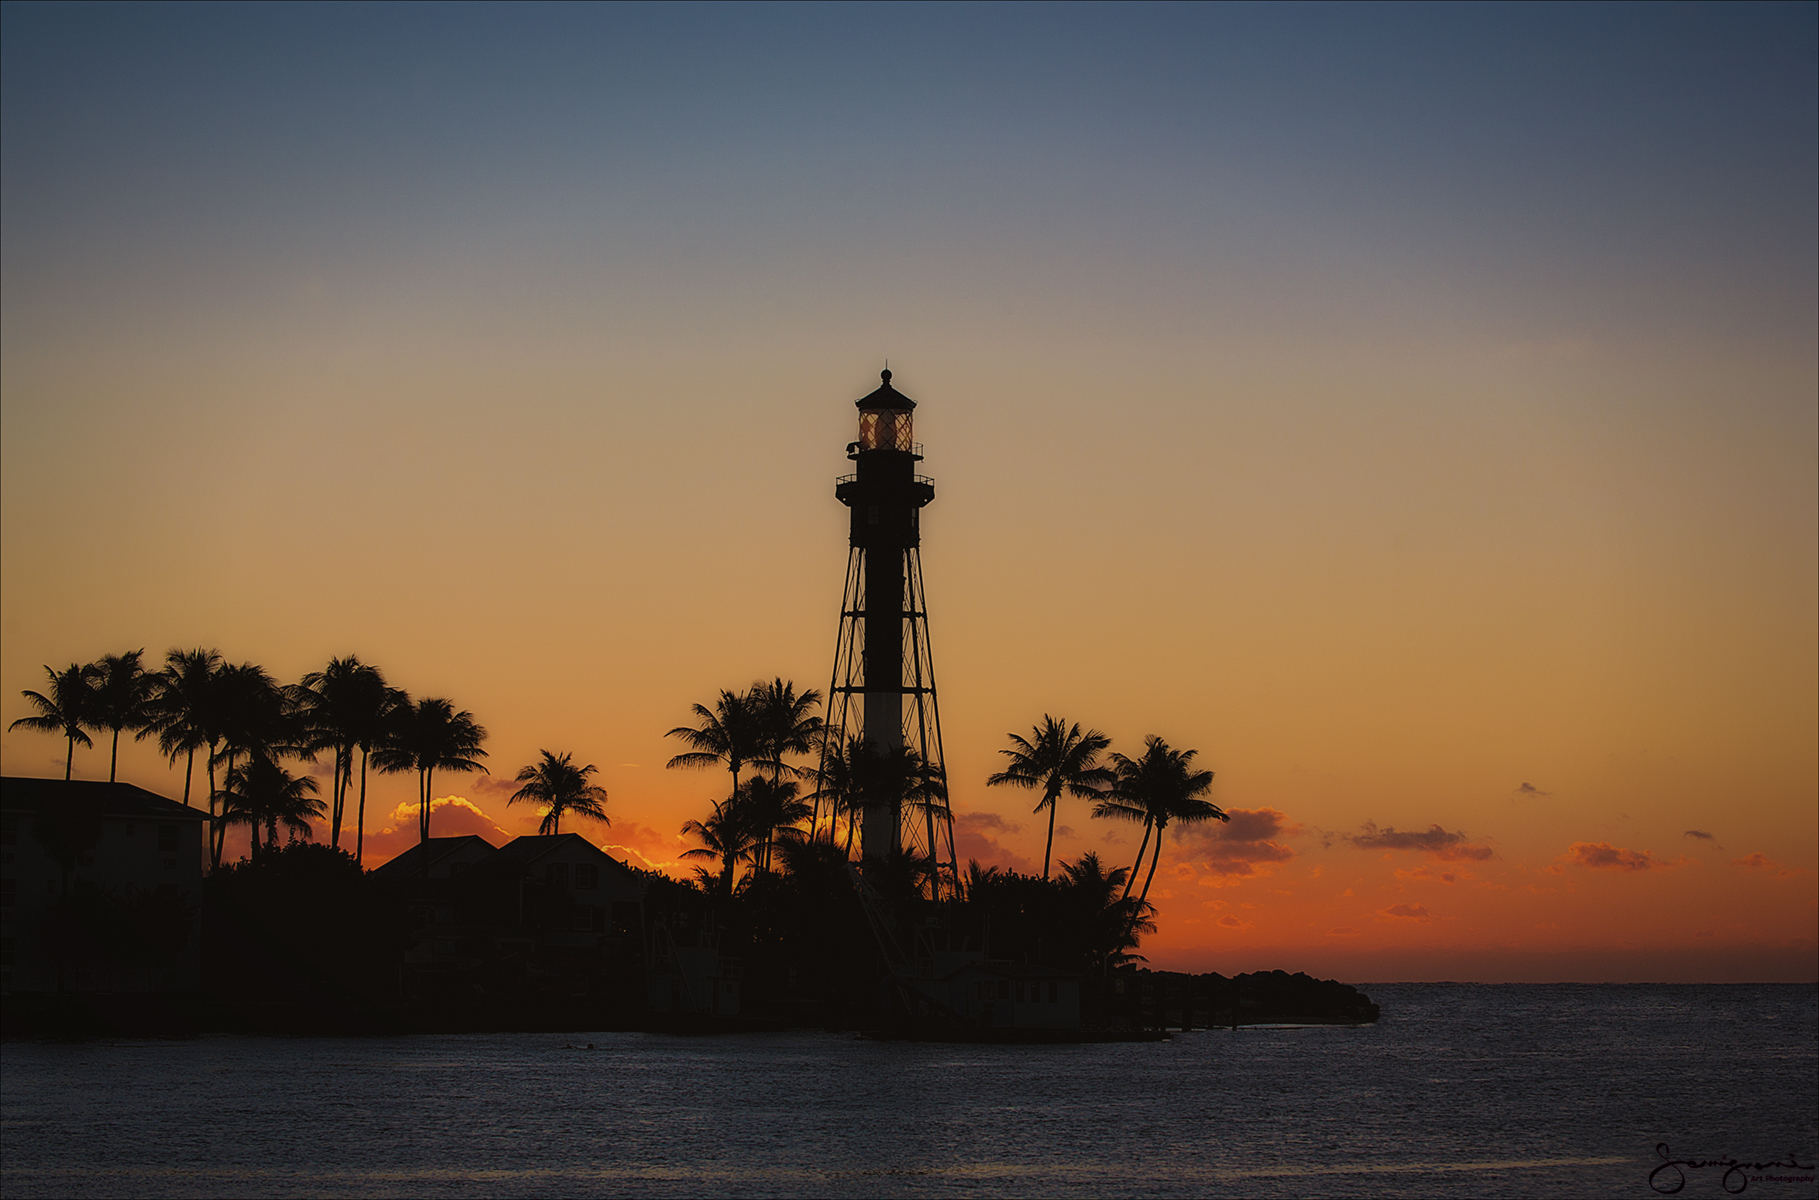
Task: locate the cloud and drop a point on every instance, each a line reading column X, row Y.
column 1701, row 834
column 450, row 816
column 1427, row 873
column 1342, row 931
column 1602, row 856
column 1447, row 847
column 1411, row 912
column 642, row 846
column 1236, row 848
column 1768, row 866
column 1529, row 791
column 976, row 837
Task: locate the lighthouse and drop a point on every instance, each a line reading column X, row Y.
column 883, row 689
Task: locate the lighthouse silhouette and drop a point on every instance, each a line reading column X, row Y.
column 883, row 711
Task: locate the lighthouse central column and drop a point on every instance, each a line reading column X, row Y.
column 883, row 665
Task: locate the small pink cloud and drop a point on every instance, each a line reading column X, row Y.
column 1766, row 865
column 1412, row 912
column 1602, row 856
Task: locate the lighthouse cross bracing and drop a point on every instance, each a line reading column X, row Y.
column 883, row 689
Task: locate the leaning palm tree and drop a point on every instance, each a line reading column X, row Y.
column 427, row 737
column 560, row 786
column 180, row 709
column 1058, row 758
column 123, row 694
column 69, row 710
column 785, row 723
column 1158, row 787
column 262, row 794
column 728, row 735
column 727, row 836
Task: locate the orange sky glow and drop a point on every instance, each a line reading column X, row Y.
column 1455, row 499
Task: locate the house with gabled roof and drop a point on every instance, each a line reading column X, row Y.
column 100, row 887
column 446, row 857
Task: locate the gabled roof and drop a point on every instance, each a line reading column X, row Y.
column 412, row 860
column 112, row 799
column 531, row 848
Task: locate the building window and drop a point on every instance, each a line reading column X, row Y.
column 1004, row 989
column 556, row 875
column 167, row 836
column 456, row 868
column 1054, row 992
column 9, row 892
column 587, row 877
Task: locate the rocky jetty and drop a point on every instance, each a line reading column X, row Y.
column 1145, row 999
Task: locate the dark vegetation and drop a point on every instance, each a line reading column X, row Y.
column 299, row 938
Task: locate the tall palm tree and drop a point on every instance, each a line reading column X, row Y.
column 727, row 836
column 560, row 786
column 252, row 717
column 427, row 737
column 69, row 710
column 728, row 735
column 181, row 707
column 262, row 794
column 1057, row 758
column 123, row 693
column 370, row 709
column 786, row 724
column 337, row 702
column 1158, row 787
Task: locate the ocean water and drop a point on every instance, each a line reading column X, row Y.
column 1460, row 1090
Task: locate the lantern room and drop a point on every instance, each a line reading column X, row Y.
column 885, row 421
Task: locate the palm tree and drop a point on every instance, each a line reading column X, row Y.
column 369, row 707
column 180, row 709
column 338, row 704
column 771, row 807
column 1159, row 787
column 561, row 786
column 123, row 692
column 260, row 793
column 729, row 735
column 69, row 710
column 252, row 717
column 835, row 783
column 426, row 737
column 785, row 723
column 857, row 774
column 727, row 836
column 1059, row 758
column 1108, row 922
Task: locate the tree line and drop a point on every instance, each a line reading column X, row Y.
column 759, row 729
column 246, row 726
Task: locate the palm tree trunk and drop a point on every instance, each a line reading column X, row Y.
column 69, row 760
column 1138, row 865
column 114, row 761
column 1155, row 858
column 360, row 832
column 1054, row 802
column 189, row 774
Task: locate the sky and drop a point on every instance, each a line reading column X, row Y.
column 1411, row 409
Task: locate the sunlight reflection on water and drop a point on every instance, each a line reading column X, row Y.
column 1483, row 1090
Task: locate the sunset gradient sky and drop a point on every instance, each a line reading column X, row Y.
column 1413, row 409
